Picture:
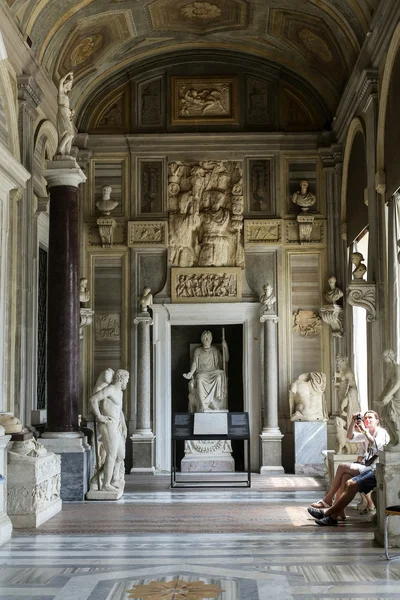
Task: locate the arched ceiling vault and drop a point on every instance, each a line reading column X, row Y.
column 317, row 40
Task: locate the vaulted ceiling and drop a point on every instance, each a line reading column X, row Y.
column 318, row 40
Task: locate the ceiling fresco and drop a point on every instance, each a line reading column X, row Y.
column 317, row 40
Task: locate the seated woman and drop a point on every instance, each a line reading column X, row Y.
column 372, row 438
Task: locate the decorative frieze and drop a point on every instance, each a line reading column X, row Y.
column 206, row 284
column 262, row 232
column 363, row 294
column 147, row 233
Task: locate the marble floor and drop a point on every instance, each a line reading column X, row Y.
column 301, row 562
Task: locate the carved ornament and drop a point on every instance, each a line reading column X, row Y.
column 107, row 327
column 306, row 323
column 204, row 100
column 206, row 285
column 292, row 231
column 86, row 319
column 306, row 224
column 147, row 233
column 262, row 231
column 332, row 315
column 106, row 231
column 363, row 294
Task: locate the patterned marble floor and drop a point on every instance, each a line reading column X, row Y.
column 305, row 563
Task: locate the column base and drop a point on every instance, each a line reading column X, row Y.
column 271, row 452
column 143, row 453
column 75, row 463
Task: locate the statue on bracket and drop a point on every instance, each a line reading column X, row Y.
column 346, row 389
column 84, row 294
column 208, row 389
column 108, row 481
column 359, row 267
column 388, row 404
column 333, row 294
column 65, row 126
column 307, row 398
column 303, row 197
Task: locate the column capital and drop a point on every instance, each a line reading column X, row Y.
column 143, row 318
column 63, row 172
column 28, row 91
column 267, row 317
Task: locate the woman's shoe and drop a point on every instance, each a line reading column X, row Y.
column 321, row 504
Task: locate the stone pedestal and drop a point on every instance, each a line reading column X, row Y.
column 310, row 439
column 33, row 488
column 388, row 477
column 5, row 522
column 208, row 464
column 143, row 453
column 105, row 494
column 271, row 437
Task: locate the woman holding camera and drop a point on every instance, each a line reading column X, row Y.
column 372, row 438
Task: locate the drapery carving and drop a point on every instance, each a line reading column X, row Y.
column 205, row 205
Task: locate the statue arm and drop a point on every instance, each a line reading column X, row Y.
column 94, row 405
column 192, row 368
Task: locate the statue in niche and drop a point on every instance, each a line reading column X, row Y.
column 182, row 240
column 303, row 197
column 106, row 205
column 307, row 398
column 65, row 126
column 388, row 404
column 334, row 293
column 145, row 300
column 267, row 298
column 346, row 389
column 84, row 294
column 207, row 376
column 109, row 475
column 359, row 267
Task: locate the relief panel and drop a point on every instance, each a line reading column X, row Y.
column 262, row 232
column 206, row 285
column 147, row 233
column 260, row 187
column 151, row 189
column 150, row 108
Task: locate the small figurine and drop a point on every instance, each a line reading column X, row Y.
column 145, row 300
column 84, row 294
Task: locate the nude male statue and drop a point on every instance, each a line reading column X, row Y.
column 111, row 425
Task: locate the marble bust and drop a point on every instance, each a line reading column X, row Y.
column 106, row 205
column 267, row 297
column 307, row 398
column 207, row 378
column 333, row 294
column 10, row 423
column 303, row 197
column 84, row 294
column 145, row 300
column 359, row 267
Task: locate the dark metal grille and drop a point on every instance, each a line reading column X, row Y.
column 42, row 331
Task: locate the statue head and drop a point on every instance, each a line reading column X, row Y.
column 304, row 186
column 146, row 290
column 356, row 258
column 83, row 283
column 342, row 361
column 121, row 376
column 332, row 282
column 106, row 192
column 206, row 338
column 389, row 356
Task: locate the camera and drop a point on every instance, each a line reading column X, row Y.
column 358, row 418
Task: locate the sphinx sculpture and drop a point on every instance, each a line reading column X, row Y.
column 307, row 398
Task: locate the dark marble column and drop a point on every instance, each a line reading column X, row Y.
column 63, row 310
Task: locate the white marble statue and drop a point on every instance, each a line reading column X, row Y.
column 10, row 423
column 30, row 448
column 388, row 404
column 182, row 224
column 344, row 445
column 145, row 300
column 267, row 297
column 84, row 294
column 106, row 205
column 359, row 267
column 65, row 126
column 307, row 398
column 208, row 384
column 334, row 293
column 303, row 197
column 106, row 405
column 346, row 389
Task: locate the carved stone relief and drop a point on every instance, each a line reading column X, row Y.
column 205, row 205
column 107, row 327
column 150, row 106
column 206, row 285
column 147, row 233
column 259, row 187
column 292, row 233
column 306, row 323
column 204, row 100
column 262, row 231
column 118, row 237
column 150, row 192
column 258, row 108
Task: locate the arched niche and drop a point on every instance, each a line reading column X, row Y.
column 388, row 135
column 269, row 98
column 354, row 211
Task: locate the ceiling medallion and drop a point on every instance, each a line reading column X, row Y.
column 200, row 11
column 172, row 590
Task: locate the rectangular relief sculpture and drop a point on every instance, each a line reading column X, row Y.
column 147, row 233
column 204, row 100
column 262, row 231
column 206, row 284
column 150, row 193
column 260, row 187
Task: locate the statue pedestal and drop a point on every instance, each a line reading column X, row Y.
column 310, row 439
column 388, row 476
column 105, row 494
column 33, row 489
column 143, row 453
column 5, row 523
column 208, row 464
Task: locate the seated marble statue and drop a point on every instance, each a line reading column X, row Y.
column 307, row 398
column 208, row 385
